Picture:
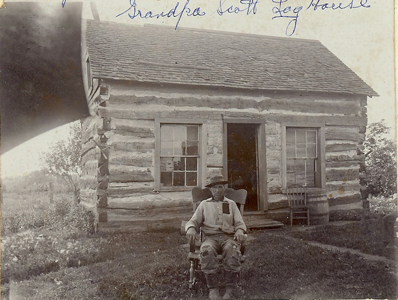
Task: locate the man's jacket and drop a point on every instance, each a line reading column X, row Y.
column 215, row 217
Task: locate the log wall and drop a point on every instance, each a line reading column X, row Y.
column 119, row 145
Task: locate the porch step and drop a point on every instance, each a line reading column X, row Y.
column 258, row 221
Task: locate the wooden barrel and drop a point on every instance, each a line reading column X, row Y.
column 319, row 208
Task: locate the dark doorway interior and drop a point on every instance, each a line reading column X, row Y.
column 242, row 160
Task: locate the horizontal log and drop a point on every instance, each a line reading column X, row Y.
column 118, row 189
column 342, row 193
column 343, row 186
column 343, row 200
column 343, row 163
column 131, row 125
column 344, row 157
column 274, row 189
column 137, row 146
column 147, row 202
column 142, row 226
column 278, row 205
column 273, row 198
column 284, row 117
column 342, row 133
column 127, row 177
column 131, row 158
column 339, row 147
column 155, row 214
column 342, row 174
column 235, row 102
column 137, row 128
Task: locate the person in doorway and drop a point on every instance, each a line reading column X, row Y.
column 224, row 231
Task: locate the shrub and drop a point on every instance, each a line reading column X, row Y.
column 380, row 161
column 382, row 205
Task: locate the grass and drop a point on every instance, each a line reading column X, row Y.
column 365, row 236
column 55, row 261
column 154, row 266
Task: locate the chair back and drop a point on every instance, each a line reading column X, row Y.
column 296, row 195
column 239, row 196
column 198, row 195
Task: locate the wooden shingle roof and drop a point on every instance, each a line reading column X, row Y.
column 215, row 58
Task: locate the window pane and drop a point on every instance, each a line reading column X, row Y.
column 290, row 139
column 192, row 133
column 192, row 163
column 192, row 179
column 290, row 166
column 167, row 148
column 178, row 147
column 165, row 178
column 166, row 133
column 310, row 172
column 300, row 136
column 299, row 169
column 290, row 150
column 166, row 164
column 301, row 150
column 290, row 178
column 311, row 136
column 179, row 163
column 179, row 132
column 311, row 150
column 179, row 179
column 192, row 148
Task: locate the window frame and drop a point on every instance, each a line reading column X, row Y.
column 321, row 177
column 202, row 152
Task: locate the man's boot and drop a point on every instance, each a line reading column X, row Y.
column 214, row 293
column 231, row 281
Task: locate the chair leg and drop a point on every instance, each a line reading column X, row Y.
column 291, row 218
column 308, row 217
column 192, row 278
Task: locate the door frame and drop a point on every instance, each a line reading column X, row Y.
column 262, row 192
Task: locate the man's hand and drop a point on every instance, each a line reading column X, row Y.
column 191, row 234
column 240, row 236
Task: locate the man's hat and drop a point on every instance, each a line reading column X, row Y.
column 217, row 180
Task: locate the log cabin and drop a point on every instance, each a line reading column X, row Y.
column 172, row 108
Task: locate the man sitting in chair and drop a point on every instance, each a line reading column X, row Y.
column 223, row 232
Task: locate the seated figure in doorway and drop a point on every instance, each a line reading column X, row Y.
column 223, row 232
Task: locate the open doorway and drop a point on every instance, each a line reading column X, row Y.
column 242, row 161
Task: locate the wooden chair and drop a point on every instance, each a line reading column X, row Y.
column 198, row 195
column 297, row 198
column 239, row 196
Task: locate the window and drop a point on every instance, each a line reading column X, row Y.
column 179, row 155
column 303, row 156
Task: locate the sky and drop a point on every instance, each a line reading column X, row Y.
column 361, row 37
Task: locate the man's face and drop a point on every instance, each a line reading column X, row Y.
column 218, row 191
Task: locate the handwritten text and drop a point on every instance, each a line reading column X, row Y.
column 281, row 9
column 284, row 11
column 249, row 6
column 175, row 12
